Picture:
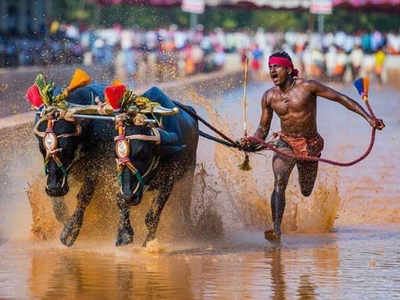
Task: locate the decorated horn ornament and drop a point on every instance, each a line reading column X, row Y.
column 34, row 97
column 41, row 92
column 124, row 100
column 79, row 79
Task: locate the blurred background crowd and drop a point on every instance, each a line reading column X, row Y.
column 130, row 42
column 174, row 52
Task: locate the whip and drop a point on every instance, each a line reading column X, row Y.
column 245, row 165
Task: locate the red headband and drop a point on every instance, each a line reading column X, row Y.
column 284, row 62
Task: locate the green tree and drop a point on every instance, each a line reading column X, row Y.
column 85, row 11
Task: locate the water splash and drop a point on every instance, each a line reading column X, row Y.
column 249, row 192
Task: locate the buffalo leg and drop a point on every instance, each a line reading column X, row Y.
column 74, row 223
column 154, row 213
column 60, row 209
column 125, row 231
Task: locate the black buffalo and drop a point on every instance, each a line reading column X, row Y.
column 155, row 164
column 62, row 141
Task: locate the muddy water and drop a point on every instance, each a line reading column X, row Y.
column 340, row 243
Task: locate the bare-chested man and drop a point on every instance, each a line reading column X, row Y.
column 294, row 100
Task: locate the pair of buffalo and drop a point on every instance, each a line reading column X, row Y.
column 155, row 144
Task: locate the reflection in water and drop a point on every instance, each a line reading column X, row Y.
column 241, row 268
column 306, row 290
column 88, row 275
column 124, row 281
column 277, row 275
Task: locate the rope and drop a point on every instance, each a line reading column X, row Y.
column 196, row 116
column 314, row 158
column 215, row 139
column 267, row 145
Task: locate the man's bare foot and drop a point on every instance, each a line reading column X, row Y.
column 271, row 236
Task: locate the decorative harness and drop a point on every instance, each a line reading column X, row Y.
column 50, row 143
column 122, row 150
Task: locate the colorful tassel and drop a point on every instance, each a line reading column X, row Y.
column 34, row 97
column 359, row 85
column 79, row 79
column 114, row 95
column 362, row 86
column 366, row 86
column 117, row 82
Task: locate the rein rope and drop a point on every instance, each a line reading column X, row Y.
column 268, row 146
column 226, row 140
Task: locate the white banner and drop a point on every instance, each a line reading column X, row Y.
column 322, row 7
column 193, row 6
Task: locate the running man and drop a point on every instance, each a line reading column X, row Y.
column 294, row 100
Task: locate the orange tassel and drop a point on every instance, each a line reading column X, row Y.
column 117, row 82
column 366, row 85
column 79, row 79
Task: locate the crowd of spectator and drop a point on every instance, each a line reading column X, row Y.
column 39, row 49
column 335, row 56
column 168, row 53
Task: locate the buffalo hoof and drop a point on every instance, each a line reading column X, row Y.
column 125, row 237
column 71, row 229
column 150, row 236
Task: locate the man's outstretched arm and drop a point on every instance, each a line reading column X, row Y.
column 331, row 94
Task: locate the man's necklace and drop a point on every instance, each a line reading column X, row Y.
column 285, row 97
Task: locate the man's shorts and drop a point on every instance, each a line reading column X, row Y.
column 301, row 146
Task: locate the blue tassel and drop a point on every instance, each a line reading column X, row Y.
column 359, row 85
